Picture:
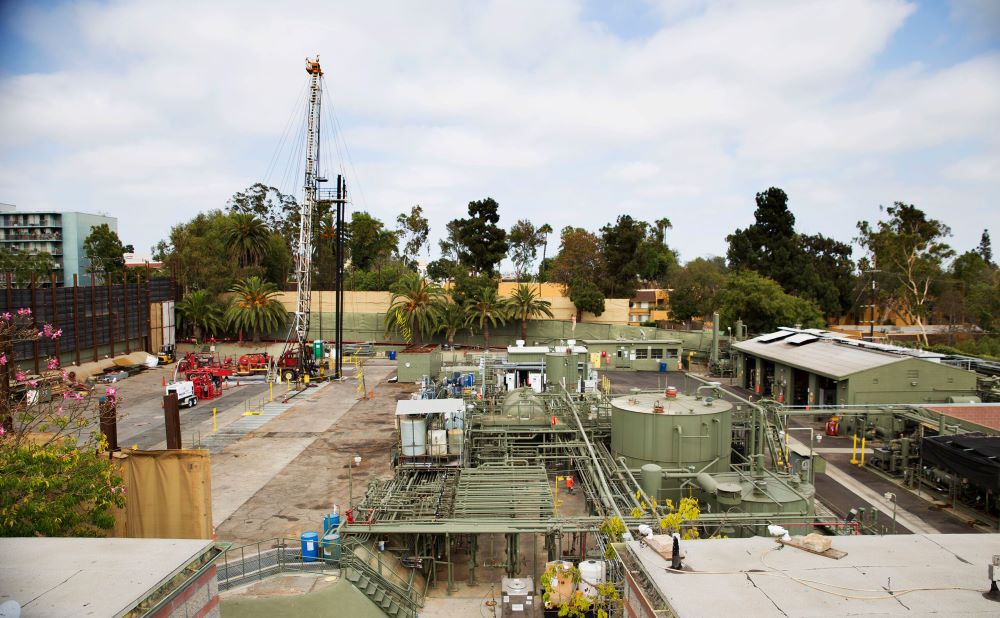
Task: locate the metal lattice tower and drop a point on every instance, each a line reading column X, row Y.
column 304, row 250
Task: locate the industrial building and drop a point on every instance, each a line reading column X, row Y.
column 813, row 368
column 60, row 234
column 635, row 354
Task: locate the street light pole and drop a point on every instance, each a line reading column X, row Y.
column 891, row 497
column 355, row 461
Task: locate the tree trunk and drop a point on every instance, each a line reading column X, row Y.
column 486, row 334
column 524, row 329
column 451, row 339
column 256, row 336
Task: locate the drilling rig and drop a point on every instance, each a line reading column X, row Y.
column 297, row 358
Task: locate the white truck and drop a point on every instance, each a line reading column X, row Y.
column 185, row 393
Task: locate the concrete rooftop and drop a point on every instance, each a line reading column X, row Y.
column 928, row 574
column 89, row 577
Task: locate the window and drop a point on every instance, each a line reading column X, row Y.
column 640, row 353
column 656, row 353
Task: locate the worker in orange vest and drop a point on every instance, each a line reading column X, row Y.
column 569, row 484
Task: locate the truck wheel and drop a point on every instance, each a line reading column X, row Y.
column 194, row 401
column 289, row 375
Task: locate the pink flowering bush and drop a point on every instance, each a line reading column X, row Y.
column 55, row 476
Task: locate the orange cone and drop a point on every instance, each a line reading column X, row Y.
column 164, row 380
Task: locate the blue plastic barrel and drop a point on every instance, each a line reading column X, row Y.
column 663, row 367
column 470, row 380
column 331, row 522
column 392, row 354
column 331, row 547
column 310, row 546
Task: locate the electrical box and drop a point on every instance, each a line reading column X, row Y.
column 518, row 597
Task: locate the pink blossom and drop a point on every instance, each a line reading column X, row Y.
column 33, row 383
column 53, row 363
column 59, row 411
column 20, row 376
column 56, row 334
column 77, row 396
column 6, row 316
column 2, row 430
column 3, row 359
column 111, row 391
column 24, row 311
column 65, row 375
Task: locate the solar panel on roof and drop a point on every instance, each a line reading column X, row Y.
column 781, row 334
column 801, row 339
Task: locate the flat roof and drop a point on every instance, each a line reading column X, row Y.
column 822, row 356
column 631, row 341
column 89, row 577
column 544, row 349
column 411, row 407
column 939, row 574
column 987, row 415
column 672, row 406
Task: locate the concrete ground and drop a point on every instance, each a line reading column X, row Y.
column 283, row 478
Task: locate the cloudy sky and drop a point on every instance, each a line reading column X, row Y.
column 566, row 112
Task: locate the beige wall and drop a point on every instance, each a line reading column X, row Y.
column 615, row 309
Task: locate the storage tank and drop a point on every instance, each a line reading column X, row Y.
column 651, row 476
column 413, row 436
column 524, row 406
column 438, row 439
column 560, row 370
column 677, row 432
column 768, row 494
column 456, row 440
column 592, row 575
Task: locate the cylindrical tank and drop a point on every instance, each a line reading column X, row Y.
column 438, row 440
column 331, row 547
column 310, row 546
column 688, row 433
column 562, row 584
column 771, row 494
column 413, row 436
column 651, row 476
column 524, row 404
column 456, row 441
column 592, row 575
column 560, row 369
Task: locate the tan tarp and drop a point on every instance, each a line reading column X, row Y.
column 169, row 495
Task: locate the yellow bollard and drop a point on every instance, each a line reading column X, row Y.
column 862, row 451
column 270, row 391
column 215, row 427
column 854, row 451
column 306, row 378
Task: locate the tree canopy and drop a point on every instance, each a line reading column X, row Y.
column 105, row 252
column 477, row 242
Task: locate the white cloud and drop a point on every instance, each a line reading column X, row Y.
column 178, row 105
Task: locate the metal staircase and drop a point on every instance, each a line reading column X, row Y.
column 385, row 588
column 773, row 431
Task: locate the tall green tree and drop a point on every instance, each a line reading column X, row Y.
column 247, row 237
column 197, row 255
column 525, row 304
column 280, row 212
column 487, row 309
column 414, row 307
column 544, row 232
column 580, row 258
column 477, row 242
column 813, row 267
column 255, row 308
column 697, row 288
column 105, row 252
column 413, row 231
column 985, row 248
column 524, row 242
column 22, row 266
column 586, row 296
column 202, row 312
column 370, row 244
column 621, row 245
column 909, row 247
column 763, row 305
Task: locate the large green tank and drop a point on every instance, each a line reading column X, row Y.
column 679, row 432
column 769, row 494
column 560, row 369
column 521, row 406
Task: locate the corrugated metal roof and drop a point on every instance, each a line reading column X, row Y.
column 408, row 407
column 823, row 357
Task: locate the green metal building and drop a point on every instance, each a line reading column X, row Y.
column 415, row 362
column 800, row 368
column 635, row 354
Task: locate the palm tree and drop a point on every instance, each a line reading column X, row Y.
column 452, row 317
column 486, row 309
column 255, row 308
column 413, row 307
column 247, row 237
column 202, row 312
column 544, row 231
column 525, row 304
